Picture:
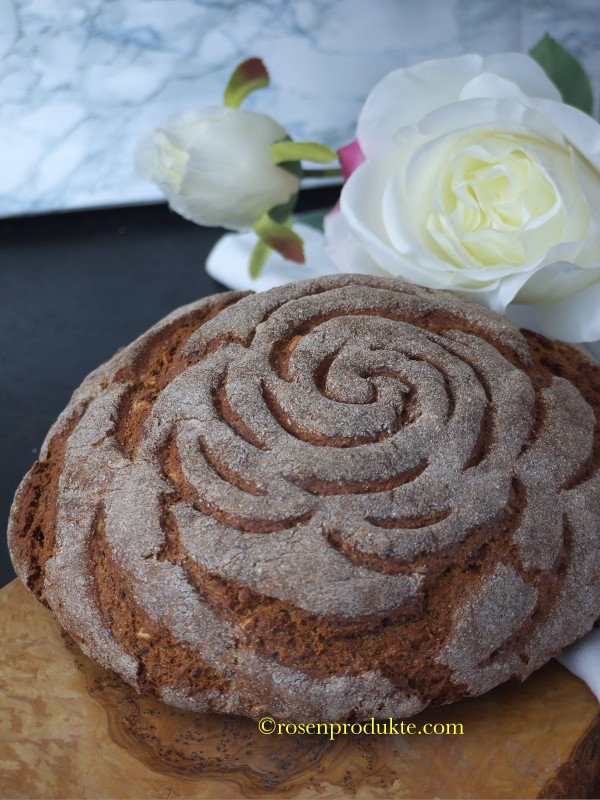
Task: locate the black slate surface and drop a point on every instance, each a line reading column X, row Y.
column 73, row 289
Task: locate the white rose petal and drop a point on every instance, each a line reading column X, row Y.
column 228, row 261
column 418, row 90
column 341, row 246
column 574, row 318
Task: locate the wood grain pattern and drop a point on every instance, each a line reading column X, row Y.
column 71, row 729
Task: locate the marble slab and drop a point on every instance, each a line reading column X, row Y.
column 81, row 80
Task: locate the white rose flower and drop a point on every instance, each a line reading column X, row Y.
column 216, row 166
column 478, row 179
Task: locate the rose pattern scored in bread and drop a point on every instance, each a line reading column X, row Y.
column 342, row 498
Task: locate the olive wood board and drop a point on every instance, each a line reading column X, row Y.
column 71, row 729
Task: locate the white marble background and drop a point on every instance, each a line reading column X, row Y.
column 81, row 80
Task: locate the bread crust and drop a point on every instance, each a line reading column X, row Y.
column 342, row 498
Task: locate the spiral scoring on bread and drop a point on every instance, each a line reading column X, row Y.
column 355, row 453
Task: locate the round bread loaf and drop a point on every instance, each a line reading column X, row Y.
column 342, row 498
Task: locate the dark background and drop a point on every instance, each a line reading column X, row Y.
column 73, row 289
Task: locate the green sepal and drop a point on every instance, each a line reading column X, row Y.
column 303, row 151
column 565, row 71
column 258, row 259
column 332, row 172
column 249, row 76
column 280, row 237
column 293, row 167
column 283, row 212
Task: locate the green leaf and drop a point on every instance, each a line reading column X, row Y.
column 280, row 238
column 305, row 151
column 249, row 76
column 258, row 259
column 565, row 71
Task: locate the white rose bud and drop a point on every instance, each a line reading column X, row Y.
column 216, row 166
